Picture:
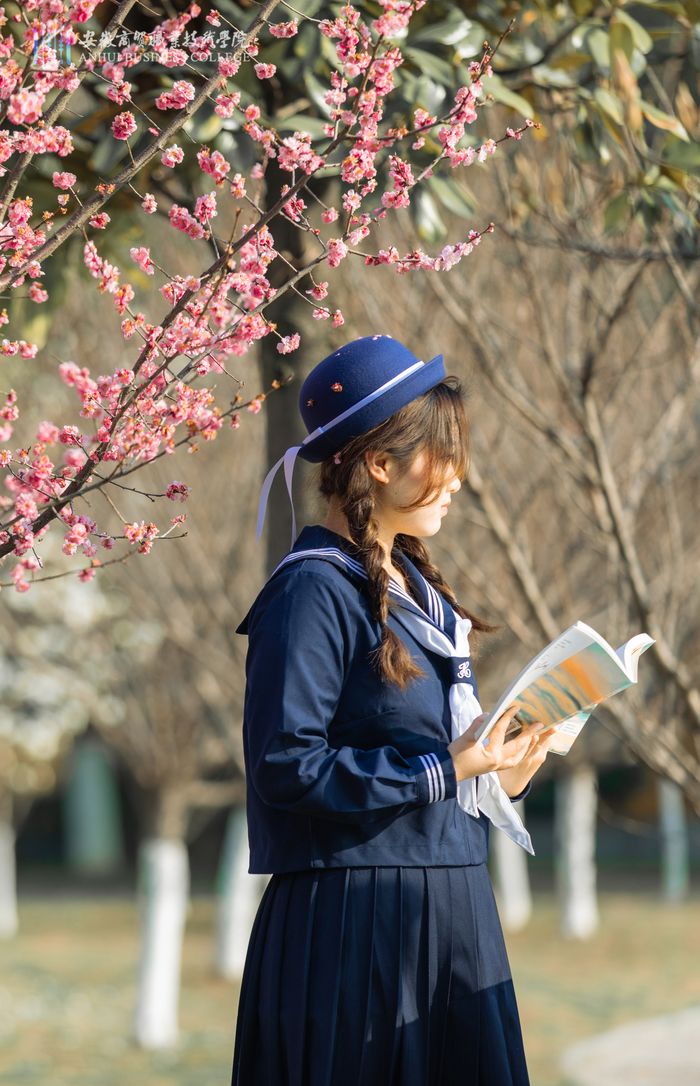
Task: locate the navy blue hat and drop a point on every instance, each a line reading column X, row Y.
column 349, row 393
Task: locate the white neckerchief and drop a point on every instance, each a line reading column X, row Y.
column 487, row 794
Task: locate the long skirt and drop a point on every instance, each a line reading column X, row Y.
column 378, row 976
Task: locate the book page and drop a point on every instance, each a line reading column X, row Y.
column 572, row 641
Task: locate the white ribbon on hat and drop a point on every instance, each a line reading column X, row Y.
column 487, row 794
column 289, row 457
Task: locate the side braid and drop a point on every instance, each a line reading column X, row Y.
column 416, row 550
column 392, row 658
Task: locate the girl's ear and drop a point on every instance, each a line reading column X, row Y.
column 379, row 465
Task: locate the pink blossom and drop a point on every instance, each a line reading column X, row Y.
column 237, row 186
column 296, row 152
column 181, row 219
column 142, row 257
column 235, row 422
column 229, row 65
column 123, row 125
column 87, row 574
column 63, row 180
column 25, row 107
column 178, row 492
column 214, row 164
column 284, row 30
column 100, row 220
column 338, row 319
column 142, row 533
column 172, row 156
column 38, row 294
column 265, row 71
column 289, row 343
column 119, row 93
column 255, row 406
column 319, row 290
column 70, row 435
column 226, row 104
column 149, row 204
column 330, row 214
column 47, row 433
column 177, row 97
column 337, row 251
column 205, row 207
column 320, row 314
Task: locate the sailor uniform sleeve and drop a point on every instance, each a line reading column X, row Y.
column 298, row 655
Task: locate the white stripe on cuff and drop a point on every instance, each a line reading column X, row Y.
column 436, row 779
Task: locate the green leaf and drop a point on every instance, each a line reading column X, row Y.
column 598, row 45
column 302, row 122
column 621, row 37
column 494, row 85
column 665, row 121
column 316, row 91
column 616, row 213
column 452, row 195
column 610, row 104
column 431, row 65
column 641, row 38
column 544, row 75
column 682, row 155
column 455, row 29
column 426, row 217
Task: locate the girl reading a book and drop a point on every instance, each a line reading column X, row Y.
column 376, row 955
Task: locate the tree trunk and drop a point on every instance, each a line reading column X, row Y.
column 290, row 313
column 163, row 892
column 239, row 894
column 674, row 841
column 8, row 879
column 576, row 802
column 94, row 843
column 512, row 879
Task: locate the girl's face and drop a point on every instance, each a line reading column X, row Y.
column 400, row 489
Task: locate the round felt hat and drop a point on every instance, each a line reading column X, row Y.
column 348, row 393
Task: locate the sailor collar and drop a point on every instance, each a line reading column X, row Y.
column 318, row 541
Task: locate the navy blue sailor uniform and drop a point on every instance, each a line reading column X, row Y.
column 376, row 955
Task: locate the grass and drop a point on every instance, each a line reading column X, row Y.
column 67, row 989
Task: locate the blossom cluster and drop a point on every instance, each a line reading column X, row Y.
column 147, row 408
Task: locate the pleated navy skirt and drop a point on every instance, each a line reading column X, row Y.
column 378, row 976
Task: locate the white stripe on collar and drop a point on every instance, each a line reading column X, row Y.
column 435, row 612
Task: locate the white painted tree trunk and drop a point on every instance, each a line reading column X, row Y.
column 576, row 808
column 674, row 841
column 93, row 831
column 8, row 881
column 239, row 894
column 164, row 889
column 512, row 878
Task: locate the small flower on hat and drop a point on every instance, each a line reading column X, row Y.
column 336, row 458
column 336, row 387
column 310, row 403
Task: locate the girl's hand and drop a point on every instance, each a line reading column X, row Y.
column 515, row 779
column 474, row 757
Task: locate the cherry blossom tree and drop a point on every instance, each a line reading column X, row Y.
column 134, row 414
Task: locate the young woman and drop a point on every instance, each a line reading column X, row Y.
column 376, row 957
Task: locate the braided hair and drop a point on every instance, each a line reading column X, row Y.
column 434, row 423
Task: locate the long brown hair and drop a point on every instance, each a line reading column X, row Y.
column 436, row 424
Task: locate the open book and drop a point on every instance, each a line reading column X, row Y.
column 563, row 684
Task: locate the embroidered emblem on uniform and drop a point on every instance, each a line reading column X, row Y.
column 463, row 671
